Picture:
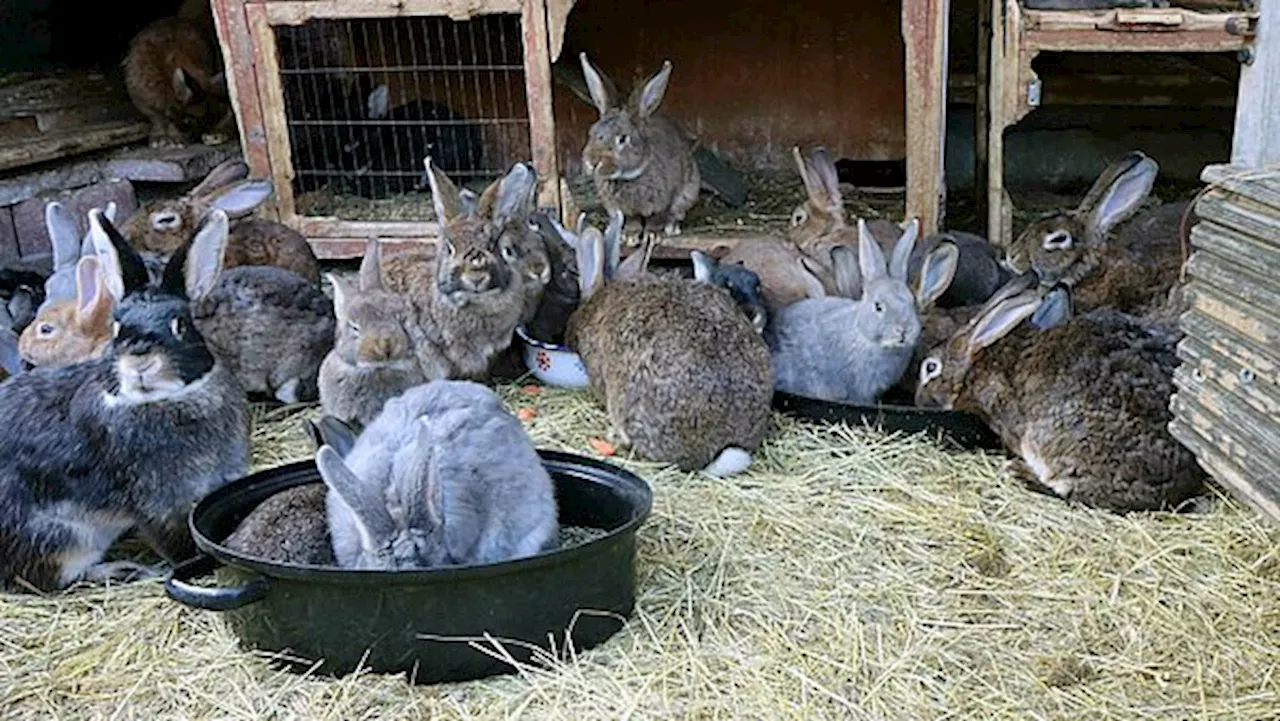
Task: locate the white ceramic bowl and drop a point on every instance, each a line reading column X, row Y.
column 554, row 365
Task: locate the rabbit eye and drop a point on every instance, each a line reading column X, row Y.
column 354, row 328
column 623, row 140
column 799, row 217
column 175, row 327
column 45, row 330
column 931, row 368
column 509, row 252
column 879, row 307
column 1058, row 240
column 449, row 249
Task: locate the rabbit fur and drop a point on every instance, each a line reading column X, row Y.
column 561, row 295
column 1133, row 268
column 639, row 159
column 160, row 227
column 288, row 527
column 372, row 358
column 684, row 377
column 171, row 76
column 127, row 441
column 467, row 304
column 851, row 351
column 1084, row 405
column 422, row 486
column 71, row 331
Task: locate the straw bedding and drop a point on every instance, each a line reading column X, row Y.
column 849, row 574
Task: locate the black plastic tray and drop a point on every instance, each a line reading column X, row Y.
column 963, row 430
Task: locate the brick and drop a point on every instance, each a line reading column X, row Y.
column 28, row 216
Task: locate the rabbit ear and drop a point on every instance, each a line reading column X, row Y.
column 870, row 258
column 811, row 272
column 341, row 291
column 330, row 431
column 93, row 302
column 603, row 92
column 469, row 200
column 1117, row 193
column 64, row 236
column 902, row 250
column 1000, row 320
column 123, row 268
column 646, row 102
column 365, row 500
column 224, row 174
column 936, row 274
column 850, row 283
column 378, row 104
column 444, row 194
column 824, row 169
column 703, row 266
column 371, row 266
column 1054, row 310
column 431, row 499
column 569, row 207
column 244, row 197
column 508, row 199
column 193, row 271
column 590, row 252
column 182, row 86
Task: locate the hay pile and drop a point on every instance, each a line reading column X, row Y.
column 848, row 575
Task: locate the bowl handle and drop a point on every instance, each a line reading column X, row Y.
column 211, row 598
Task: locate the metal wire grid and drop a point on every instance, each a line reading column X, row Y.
column 455, row 91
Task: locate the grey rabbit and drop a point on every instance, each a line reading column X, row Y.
column 423, row 487
column 743, row 285
column 68, row 246
column 684, row 376
column 852, row 350
column 561, row 296
column 372, row 358
column 127, row 441
column 1083, row 404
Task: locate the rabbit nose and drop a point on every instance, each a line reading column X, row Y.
column 373, row 348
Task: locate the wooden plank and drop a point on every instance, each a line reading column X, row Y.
column 167, row 165
column 1242, row 225
column 274, row 120
column 296, row 12
column 538, row 89
column 924, row 28
column 1215, row 415
column 1006, row 105
column 242, row 83
column 981, row 108
column 1253, row 293
column 1258, row 391
column 557, row 18
column 1240, row 350
column 326, row 227
column 52, row 146
column 1240, row 249
column 1099, row 41
column 1237, row 481
column 1228, row 311
column 1256, row 140
column 351, row 248
column 1146, row 21
column 1261, row 185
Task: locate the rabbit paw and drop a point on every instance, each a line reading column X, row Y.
column 618, row 437
column 287, row 393
column 165, row 141
column 121, row 571
column 672, row 228
column 213, row 138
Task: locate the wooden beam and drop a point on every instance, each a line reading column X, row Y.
column 242, row 83
column 51, row 146
column 274, row 119
column 924, row 30
column 1256, row 143
column 981, row 110
column 538, row 90
column 297, row 12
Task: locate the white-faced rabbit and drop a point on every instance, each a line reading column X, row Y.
column 641, row 162
column 270, row 326
column 171, row 75
column 444, row 476
column 852, row 350
column 1084, row 405
column 372, row 358
column 127, row 441
column 684, row 376
column 1133, row 269
column 468, row 301
column 160, row 227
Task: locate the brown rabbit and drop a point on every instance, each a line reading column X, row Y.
column 66, row 333
column 160, row 227
column 1084, row 404
column 171, row 74
column 1134, row 269
column 372, row 358
column 684, row 376
column 640, row 161
column 467, row 304
column 288, row 527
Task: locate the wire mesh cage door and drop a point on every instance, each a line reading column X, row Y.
column 353, row 105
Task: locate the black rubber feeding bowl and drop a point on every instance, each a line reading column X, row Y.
column 960, row 429
column 424, row 622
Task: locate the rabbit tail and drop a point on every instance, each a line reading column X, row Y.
column 731, row 461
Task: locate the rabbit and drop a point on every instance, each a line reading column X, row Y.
column 641, row 162
column 171, row 77
column 468, row 302
column 22, row 292
column 683, row 375
column 160, row 227
column 269, row 326
column 561, row 296
column 852, row 351
column 130, row 440
column 423, row 486
column 372, row 358
column 288, row 527
column 1083, row 405
column 10, row 355
column 742, row 284
column 68, row 247
column 70, row 332
column 1133, row 269
column 819, row 224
